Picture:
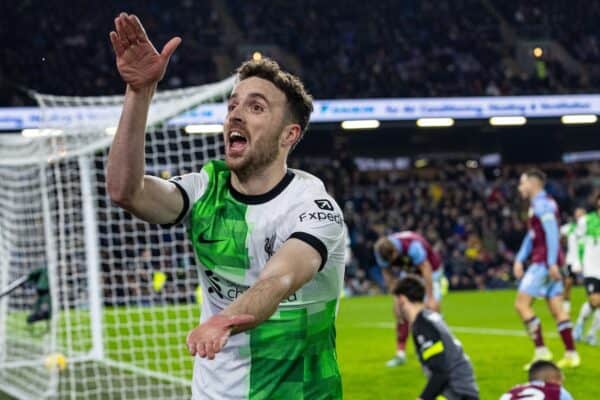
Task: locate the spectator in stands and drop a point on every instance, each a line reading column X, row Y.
column 344, row 50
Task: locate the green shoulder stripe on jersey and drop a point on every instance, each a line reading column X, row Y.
column 436, row 348
column 293, row 355
column 218, row 229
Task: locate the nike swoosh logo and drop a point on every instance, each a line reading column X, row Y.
column 202, row 239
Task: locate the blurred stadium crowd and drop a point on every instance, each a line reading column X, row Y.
column 388, row 48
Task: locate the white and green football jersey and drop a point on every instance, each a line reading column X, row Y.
column 574, row 247
column 291, row 355
column 588, row 230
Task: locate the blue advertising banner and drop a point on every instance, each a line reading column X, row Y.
column 17, row 118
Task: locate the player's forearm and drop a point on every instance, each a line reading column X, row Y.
column 435, row 386
column 388, row 279
column 552, row 240
column 126, row 160
column 525, row 248
column 260, row 300
column 427, row 273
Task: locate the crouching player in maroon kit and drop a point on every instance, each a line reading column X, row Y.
column 545, row 383
column 543, row 278
column 410, row 252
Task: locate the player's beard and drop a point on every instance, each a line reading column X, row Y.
column 263, row 153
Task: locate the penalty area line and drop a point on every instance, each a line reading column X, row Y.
column 464, row 329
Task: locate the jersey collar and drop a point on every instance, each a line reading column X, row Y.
column 265, row 197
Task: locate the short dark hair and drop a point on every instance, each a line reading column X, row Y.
column 536, row 173
column 300, row 102
column 412, row 287
column 540, row 369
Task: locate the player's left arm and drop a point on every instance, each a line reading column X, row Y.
column 292, row 266
column 438, row 379
column 552, row 234
column 388, row 278
column 433, row 356
column 427, row 273
column 418, row 256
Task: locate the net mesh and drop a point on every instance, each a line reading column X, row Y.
column 123, row 292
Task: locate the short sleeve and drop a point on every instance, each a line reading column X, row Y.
column 428, row 341
column 192, row 186
column 417, row 253
column 319, row 223
column 545, row 210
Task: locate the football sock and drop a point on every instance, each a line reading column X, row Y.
column 401, row 335
column 534, row 328
column 565, row 328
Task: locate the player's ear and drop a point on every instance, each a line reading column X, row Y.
column 291, row 135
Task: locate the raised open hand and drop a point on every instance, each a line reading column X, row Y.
column 138, row 62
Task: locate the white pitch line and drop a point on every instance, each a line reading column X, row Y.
column 464, row 329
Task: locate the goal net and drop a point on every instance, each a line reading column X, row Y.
column 107, row 300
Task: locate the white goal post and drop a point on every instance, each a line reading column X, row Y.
column 113, row 297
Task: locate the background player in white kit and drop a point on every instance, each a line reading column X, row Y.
column 269, row 241
column 588, row 232
column 574, row 255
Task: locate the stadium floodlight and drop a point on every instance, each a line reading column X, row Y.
column 204, row 128
column 360, row 124
column 118, row 324
column 514, row 120
column 31, row 133
column 435, row 122
column 579, row 119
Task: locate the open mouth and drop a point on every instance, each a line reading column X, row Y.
column 237, row 142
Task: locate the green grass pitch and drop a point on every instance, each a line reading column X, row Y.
column 485, row 323
column 487, row 326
